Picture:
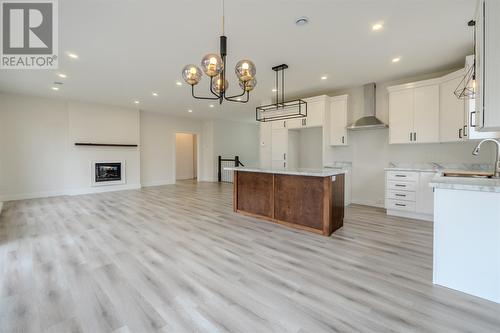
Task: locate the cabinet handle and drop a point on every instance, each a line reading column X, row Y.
column 401, row 195
column 400, row 175
column 415, row 136
column 400, row 205
column 472, row 123
column 465, row 131
column 411, row 136
column 400, row 185
column 284, row 156
column 284, row 124
column 342, row 139
column 460, row 133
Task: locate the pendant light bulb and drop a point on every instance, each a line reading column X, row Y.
column 212, row 64
column 191, row 74
column 245, row 70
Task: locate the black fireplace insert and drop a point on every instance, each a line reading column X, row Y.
column 108, row 172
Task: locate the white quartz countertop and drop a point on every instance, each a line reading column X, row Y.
column 292, row 171
column 422, row 167
column 466, row 183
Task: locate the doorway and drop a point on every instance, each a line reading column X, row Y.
column 186, row 156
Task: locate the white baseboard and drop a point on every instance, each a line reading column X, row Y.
column 410, row 215
column 86, row 190
column 32, row 195
column 367, row 203
column 157, row 183
column 102, row 189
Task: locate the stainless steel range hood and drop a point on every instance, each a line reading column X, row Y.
column 369, row 120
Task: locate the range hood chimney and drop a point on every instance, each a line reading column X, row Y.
column 369, row 120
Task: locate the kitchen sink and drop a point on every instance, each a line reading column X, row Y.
column 469, row 174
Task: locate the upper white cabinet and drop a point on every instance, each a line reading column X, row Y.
column 488, row 65
column 316, row 109
column 414, row 112
column 426, row 116
column 338, row 120
column 452, row 126
column 470, row 120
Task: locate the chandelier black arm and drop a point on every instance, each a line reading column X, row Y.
column 207, row 98
column 235, row 96
column 235, row 100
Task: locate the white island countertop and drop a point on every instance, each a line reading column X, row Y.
column 292, row 171
column 466, row 183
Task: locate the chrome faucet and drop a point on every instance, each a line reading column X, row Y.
column 497, row 161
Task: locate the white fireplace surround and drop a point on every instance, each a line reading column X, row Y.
column 112, row 182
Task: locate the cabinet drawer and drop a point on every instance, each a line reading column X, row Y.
column 401, row 195
column 407, row 206
column 401, row 186
column 402, row 176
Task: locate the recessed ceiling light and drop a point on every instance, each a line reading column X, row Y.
column 55, row 88
column 190, row 110
column 72, row 55
column 275, row 90
column 397, row 59
column 136, row 102
column 62, row 76
column 179, row 83
column 155, row 94
column 377, row 26
column 324, row 77
column 302, row 21
column 211, row 105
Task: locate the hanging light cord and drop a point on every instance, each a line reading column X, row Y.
column 223, row 16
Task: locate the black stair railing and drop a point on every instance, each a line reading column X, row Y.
column 224, row 175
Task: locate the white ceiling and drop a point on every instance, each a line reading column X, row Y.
column 130, row 48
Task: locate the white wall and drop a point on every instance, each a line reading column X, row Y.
column 184, row 156
column 310, row 153
column 236, row 139
column 158, row 147
column 370, row 152
column 33, row 147
column 37, row 153
column 96, row 123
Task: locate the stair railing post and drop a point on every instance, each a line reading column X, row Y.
column 219, row 171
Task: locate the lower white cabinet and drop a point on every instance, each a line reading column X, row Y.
column 408, row 194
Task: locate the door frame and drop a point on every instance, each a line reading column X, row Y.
column 174, row 157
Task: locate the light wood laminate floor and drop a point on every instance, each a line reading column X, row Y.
column 177, row 259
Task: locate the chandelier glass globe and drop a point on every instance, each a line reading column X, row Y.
column 191, row 74
column 212, row 64
column 218, row 85
column 245, row 70
column 248, row 85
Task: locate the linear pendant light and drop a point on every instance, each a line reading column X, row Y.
column 281, row 110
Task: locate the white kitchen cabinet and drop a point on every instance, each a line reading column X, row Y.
column 279, row 147
column 452, row 126
column 426, row 115
column 488, row 65
column 414, row 112
column 278, row 124
column 425, row 194
column 408, row 194
column 338, row 120
column 265, row 144
column 401, row 104
column 316, row 109
column 470, row 119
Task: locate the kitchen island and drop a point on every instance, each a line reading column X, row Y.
column 467, row 235
column 306, row 199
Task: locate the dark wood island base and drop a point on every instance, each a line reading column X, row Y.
column 312, row 203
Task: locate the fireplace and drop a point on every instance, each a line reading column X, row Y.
column 108, row 173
